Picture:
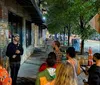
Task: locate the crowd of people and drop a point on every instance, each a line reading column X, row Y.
column 56, row 72
column 53, row 71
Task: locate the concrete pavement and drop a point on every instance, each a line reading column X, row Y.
column 29, row 69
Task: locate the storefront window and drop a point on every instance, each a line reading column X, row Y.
column 28, row 33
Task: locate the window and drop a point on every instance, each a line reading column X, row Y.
column 28, row 33
column 15, row 26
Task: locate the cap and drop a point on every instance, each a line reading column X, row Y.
column 16, row 35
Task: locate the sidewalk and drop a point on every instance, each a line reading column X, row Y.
column 29, row 69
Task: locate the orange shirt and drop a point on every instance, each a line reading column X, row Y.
column 4, row 77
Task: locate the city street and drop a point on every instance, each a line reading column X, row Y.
column 95, row 45
column 28, row 29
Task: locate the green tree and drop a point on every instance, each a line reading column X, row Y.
column 74, row 14
column 84, row 11
column 60, row 16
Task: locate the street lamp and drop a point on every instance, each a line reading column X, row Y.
column 44, row 18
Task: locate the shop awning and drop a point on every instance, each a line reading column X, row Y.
column 31, row 7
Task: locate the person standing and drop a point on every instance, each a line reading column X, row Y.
column 47, row 76
column 14, row 52
column 70, row 54
column 94, row 71
column 51, row 55
column 56, row 48
column 65, row 75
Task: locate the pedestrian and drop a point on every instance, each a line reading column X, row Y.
column 45, row 77
column 65, row 75
column 56, row 48
column 5, row 79
column 70, row 53
column 94, row 71
column 14, row 52
column 76, row 43
column 44, row 65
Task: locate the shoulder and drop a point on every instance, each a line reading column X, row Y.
column 20, row 45
column 42, row 73
column 11, row 43
column 43, row 65
column 92, row 68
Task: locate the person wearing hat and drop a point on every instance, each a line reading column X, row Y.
column 14, row 52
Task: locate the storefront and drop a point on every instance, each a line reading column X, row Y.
column 17, row 18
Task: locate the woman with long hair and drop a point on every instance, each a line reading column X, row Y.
column 65, row 75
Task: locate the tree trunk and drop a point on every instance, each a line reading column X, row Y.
column 82, row 30
column 82, row 46
column 68, row 36
column 64, row 35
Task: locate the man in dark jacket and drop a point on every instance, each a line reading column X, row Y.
column 94, row 71
column 14, row 52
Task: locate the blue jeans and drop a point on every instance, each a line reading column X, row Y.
column 14, row 66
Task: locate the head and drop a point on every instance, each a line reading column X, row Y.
column 56, row 44
column 71, row 52
column 50, row 62
column 65, row 75
column 96, row 57
column 52, row 55
column 16, row 38
column 74, row 36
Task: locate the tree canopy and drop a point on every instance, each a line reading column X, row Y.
column 72, row 14
column 65, row 12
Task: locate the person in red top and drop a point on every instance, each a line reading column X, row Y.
column 44, row 65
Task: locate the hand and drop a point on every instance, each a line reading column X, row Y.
column 14, row 56
column 17, row 51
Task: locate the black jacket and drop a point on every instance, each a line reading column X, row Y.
column 94, row 75
column 11, row 49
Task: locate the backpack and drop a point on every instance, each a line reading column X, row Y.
column 44, row 81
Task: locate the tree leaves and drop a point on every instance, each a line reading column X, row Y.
column 65, row 12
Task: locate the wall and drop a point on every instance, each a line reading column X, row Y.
column 12, row 6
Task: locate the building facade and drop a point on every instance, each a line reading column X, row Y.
column 20, row 17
